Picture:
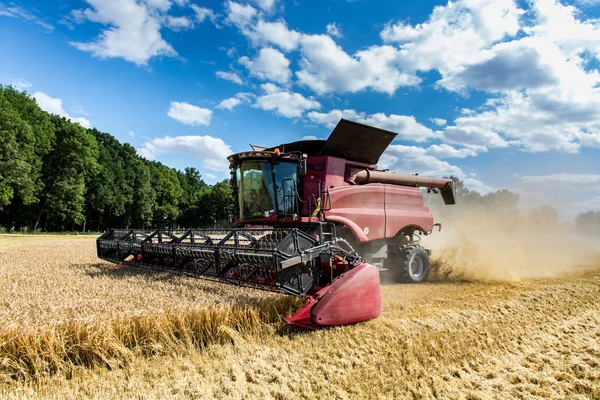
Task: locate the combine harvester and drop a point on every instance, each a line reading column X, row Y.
column 315, row 218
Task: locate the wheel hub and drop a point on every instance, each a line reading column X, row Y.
column 416, row 267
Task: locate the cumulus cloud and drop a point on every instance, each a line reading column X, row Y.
column 189, row 114
column 179, row 23
column 132, row 30
column 202, row 13
column 507, row 66
column 211, row 151
column 273, row 33
column 478, row 186
column 283, row 102
column 334, row 30
column 438, row 121
column 270, row 64
column 238, row 99
column 445, row 151
column 413, row 159
column 454, row 35
column 405, row 126
column 230, row 76
column 20, row 84
column 240, row 15
column 327, row 68
column 55, row 106
column 545, row 96
column 265, row 5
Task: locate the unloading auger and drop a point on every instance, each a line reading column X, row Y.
column 315, row 219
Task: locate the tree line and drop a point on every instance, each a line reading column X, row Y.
column 58, row 176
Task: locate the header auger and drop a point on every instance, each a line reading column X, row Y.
column 315, row 218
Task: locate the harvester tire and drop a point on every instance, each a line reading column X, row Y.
column 410, row 264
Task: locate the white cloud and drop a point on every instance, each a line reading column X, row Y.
column 564, row 179
column 265, row 5
column 211, row 151
column 334, row 30
column 270, row 64
column 438, row 121
column 15, row 11
column 179, row 23
column 559, row 24
column 20, row 84
column 415, row 160
column 478, row 186
column 238, row 99
column 275, row 33
column 326, row 68
column 161, row 5
column 230, row 76
column 406, row 126
column 311, row 137
column 592, row 204
column 454, row 35
column 201, row 13
column 283, row 102
column 131, row 134
column 189, row 114
column 471, row 131
column 544, row 98
column 446, row 151
column 54, row 106
column 527, row 63
column 238, row 14
column 132, row 31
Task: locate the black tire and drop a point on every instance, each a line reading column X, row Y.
column 409, row 264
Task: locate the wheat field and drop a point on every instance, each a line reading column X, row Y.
column 72, row 326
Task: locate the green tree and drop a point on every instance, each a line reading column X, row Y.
column 110, row 193
column 168, row 192
column 191, row 208
column 220, row 202
column 587, row 224
column 544, row 217
column 67, row 168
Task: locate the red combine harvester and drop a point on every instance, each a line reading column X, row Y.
column 315, row 218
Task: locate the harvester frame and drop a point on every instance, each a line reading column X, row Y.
column 315, row 218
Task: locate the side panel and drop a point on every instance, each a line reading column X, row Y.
column 361, row 208
column 404, row 206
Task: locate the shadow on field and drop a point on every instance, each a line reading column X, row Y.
column 239, row 297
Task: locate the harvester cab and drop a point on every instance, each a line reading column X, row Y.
column 314, row 218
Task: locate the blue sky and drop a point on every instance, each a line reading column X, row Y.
column 502, row 93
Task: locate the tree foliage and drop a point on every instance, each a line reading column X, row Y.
column 587, row 224
column 56, row 175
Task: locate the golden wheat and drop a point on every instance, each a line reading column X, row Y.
column 173, row 337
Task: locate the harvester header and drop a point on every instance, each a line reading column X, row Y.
column 314, row 218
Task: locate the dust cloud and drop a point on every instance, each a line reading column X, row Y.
column 478, row 245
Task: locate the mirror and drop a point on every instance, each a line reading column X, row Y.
column 302, row 168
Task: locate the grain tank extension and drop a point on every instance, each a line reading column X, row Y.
column 314, row 218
